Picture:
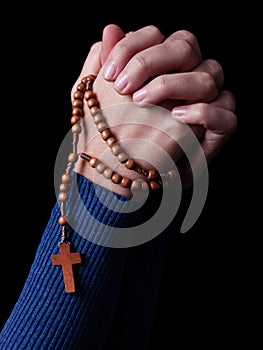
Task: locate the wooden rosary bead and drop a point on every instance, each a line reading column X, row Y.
column 116, row 149
column 81, row 87
column 122, row 157
column 111, row 141
column 62, row 220
column 64, row 187
column 77, row 111
column 154, row 186
column 73, row 157
column 89, row 94
column 125, row 182
column 63, row 196
column 100, row 167
column 93, row 161
column 130, row 164
column 105, row 134
column 76, row 128
column 92, row 102
column 108, row 173
column 94, row 110
column 75, row 119
column 116, row 178
column 77, row 104
column 66, row 178
column 98, row 118
column 78, row 95
column 102, row 126
column 152, row 174
column 139, row 185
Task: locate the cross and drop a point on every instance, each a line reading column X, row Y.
column 66, row 260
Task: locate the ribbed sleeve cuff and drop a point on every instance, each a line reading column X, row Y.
column 45, row 316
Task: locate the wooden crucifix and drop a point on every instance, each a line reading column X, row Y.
column 66, row 259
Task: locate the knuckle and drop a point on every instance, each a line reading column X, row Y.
column 188, row 36
column 202, row 110
column 142, row 61
column 95, row 47
column 216, row 70
column 229, row 100
column 153, row 31
column 207, row 81
column 214, row 66
column 186, row 51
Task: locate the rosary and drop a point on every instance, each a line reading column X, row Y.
column 152, row 181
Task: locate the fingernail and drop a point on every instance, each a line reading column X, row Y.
column 109, row 70
column 121, row 82
column 179, row 112
column 139, row 95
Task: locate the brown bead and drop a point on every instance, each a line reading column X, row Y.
column 154, row 186
column 136, row 185
column 84, row 80
column 89, row 94
column 115, row 150
column 122, row 157
column 116, row 178
column 66, row 178
column 77, row 103
column 98, row 118
column 64, row 187
column 78, row 95
column 108, row 173
column 91, row 77
column 77, row 111
column 102, row 126
column 100, row 167
column 92, row 102
column 93, row 161
column 130, row 164
column 62, row 220
column 73, row 157
column 106, row 134
column 75, row 119
column 81, row 87
column 152, row 174
column 63, row 197
column 76, row 128
column 111, row 141
column 125, row 182
column 94, row 110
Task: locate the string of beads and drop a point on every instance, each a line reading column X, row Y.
column 152, row 181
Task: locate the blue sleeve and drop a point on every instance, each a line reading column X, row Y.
column 46, row 317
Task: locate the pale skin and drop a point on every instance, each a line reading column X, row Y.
column 141, row 69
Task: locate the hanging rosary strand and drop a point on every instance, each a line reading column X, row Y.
column 153, row 181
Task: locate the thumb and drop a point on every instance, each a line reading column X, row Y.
column 110, row 36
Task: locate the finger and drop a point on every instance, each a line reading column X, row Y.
column 213, row 68
column 171, row 55
column 92, row 64
column 187, row 36
column 110, row 36
column 225, row 100
column 219, row 124
column 127, row 47
column 191, row 87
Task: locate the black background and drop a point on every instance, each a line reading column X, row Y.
column 204, row 296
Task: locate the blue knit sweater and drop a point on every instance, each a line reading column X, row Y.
column 116, row 288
